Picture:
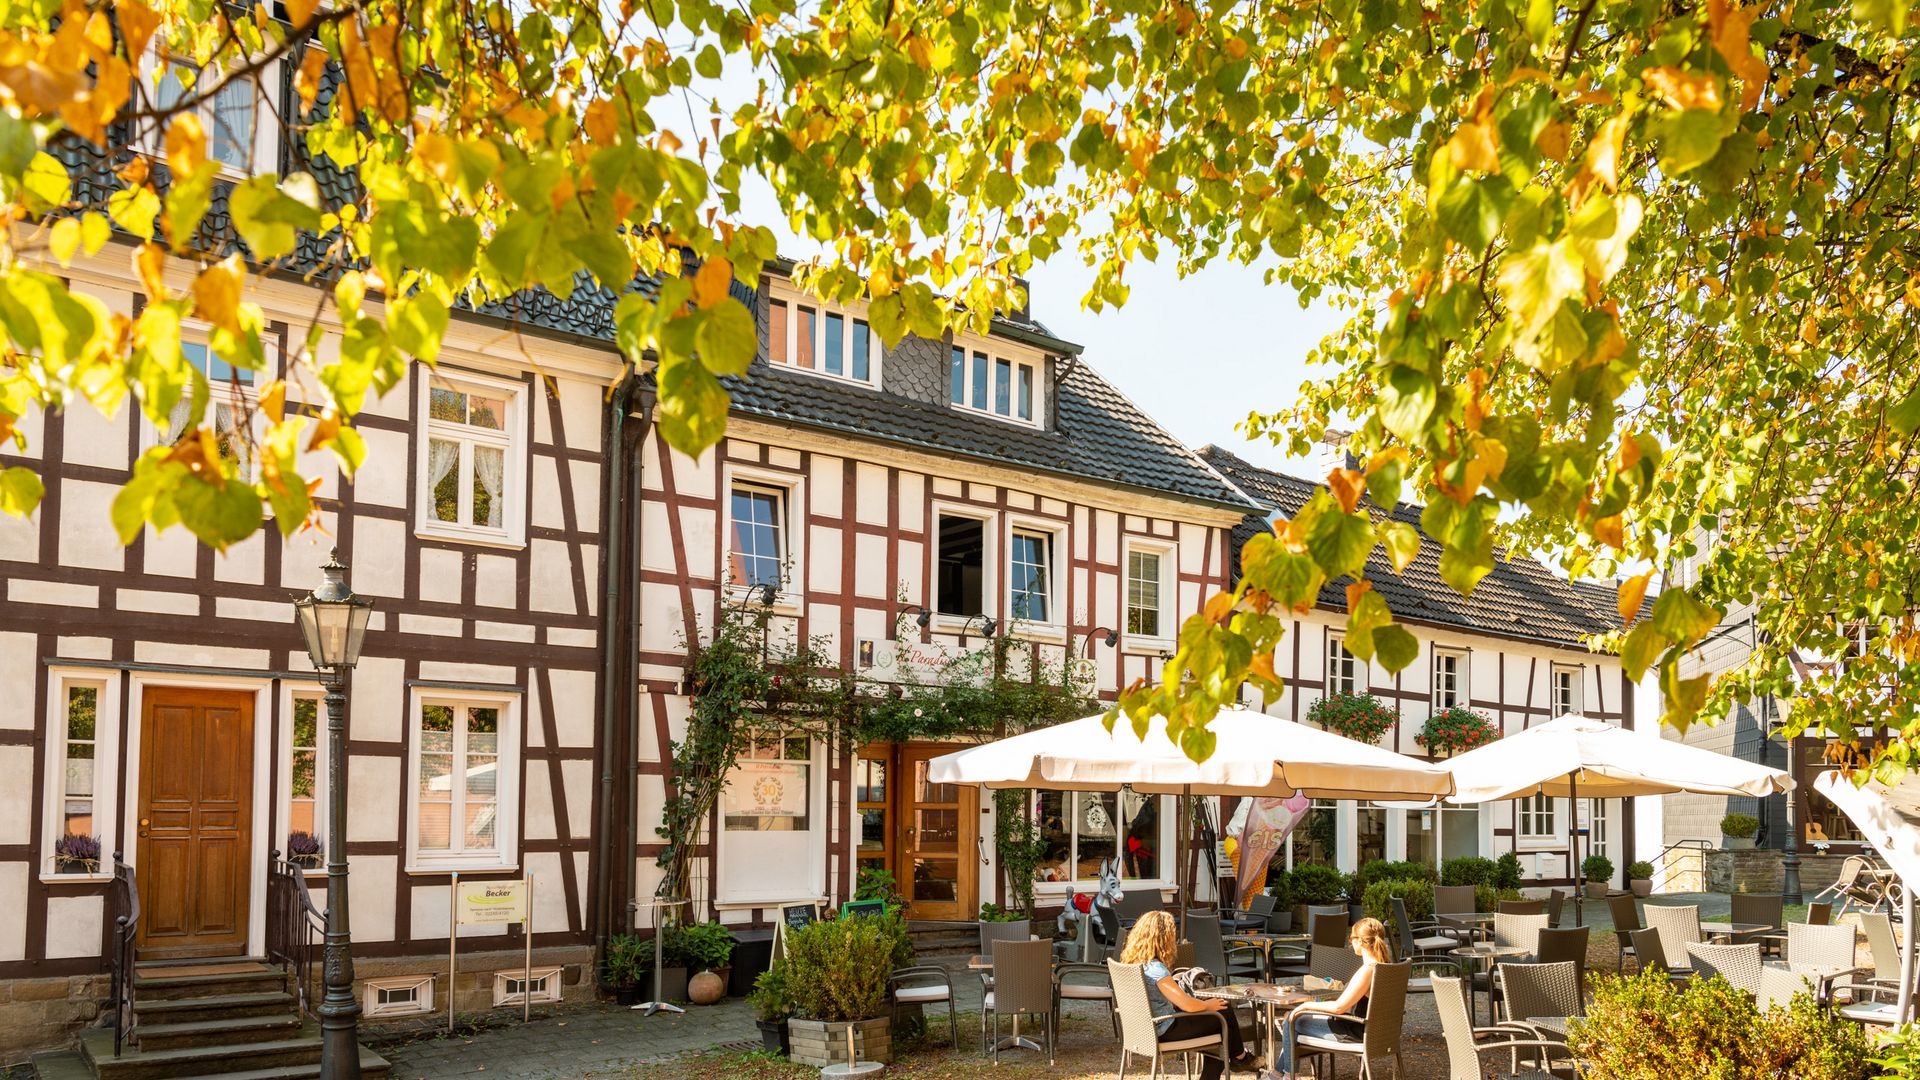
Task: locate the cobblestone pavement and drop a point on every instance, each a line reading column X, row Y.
column 599, row 1040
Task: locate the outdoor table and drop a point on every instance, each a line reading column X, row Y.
column 1267, row 941
column 1733, row 929
column 1275, row 996
column 978, row 962
column 1492, row 955
column 1474, row 922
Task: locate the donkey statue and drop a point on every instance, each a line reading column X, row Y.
column 1083, row 920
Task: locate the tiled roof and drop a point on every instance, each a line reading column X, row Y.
column 1100, row 435
column 1519, row 598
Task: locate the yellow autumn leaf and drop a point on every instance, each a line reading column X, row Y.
column 1475, row 147
column 273, row 400
column 150, row 263
column 711, row 280
column 1611, row 531
column 216, row 293
column 300, row 12
column 137, row 24
column 1632, row 593
column 186, row 144
column 64, row 239
column 1683, row 89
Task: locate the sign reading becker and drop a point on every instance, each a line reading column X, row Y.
column 490, row 902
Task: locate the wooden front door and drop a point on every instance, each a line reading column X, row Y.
column 938, row 864
column 196, row 822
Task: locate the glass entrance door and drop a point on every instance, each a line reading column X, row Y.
column 937, row 864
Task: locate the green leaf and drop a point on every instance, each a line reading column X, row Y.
column 1462, row 568
column 20, row 491
column 726, row 339
column 1681, row 619
column 1406, row 402
column 188, row 198
column 221, row 515
column 1384, row 483
column 1536, row 281
column 17, row 146
column 45, row 183
column 349, row 447
column 267, row 215
column 707, row 63
column 1395, row 648
column 1639, row 650
column 417, row 323
column 1337, row 540
column 693, row 406
column 1904, row 414
column 1690, row 138
column 1402, row 542
column 134, row 209
column 1471, row 210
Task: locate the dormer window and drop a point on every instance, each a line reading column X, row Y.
column 236, row 140
column 1003, row 386
column 819, row 340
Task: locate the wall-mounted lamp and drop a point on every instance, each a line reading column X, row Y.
column 924, row 619
column 1112, row 638
column 767, row 591
column 987, row 626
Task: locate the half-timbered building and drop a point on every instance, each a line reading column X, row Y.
column 1514, row 651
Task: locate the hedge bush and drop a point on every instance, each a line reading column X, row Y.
column 1317, row 884
column 1739, row 826
column 1597, row 868
column 1390, row 870
column 1644, row 1027
column 1418, row 896
column 1506, row 871
column 1488, row 897
column 1466, row 870
column 837, row 970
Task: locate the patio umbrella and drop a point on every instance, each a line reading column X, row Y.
column 1576, row 756
column 1254, row 754
column 1888, row 815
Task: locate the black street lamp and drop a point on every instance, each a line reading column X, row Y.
column 334, row 622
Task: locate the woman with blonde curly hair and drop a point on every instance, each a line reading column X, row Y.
column 1152, row 944
column 1342, row 1017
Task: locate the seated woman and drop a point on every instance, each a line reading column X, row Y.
column 1342, row 1017
column 1151, row 944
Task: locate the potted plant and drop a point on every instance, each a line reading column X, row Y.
column 1314, row 885
column 837, row 977
column 1455, row 729
column 707, row 947
column 76, row 854
column 1598, row 870
column 772, row 1007
column 303, row 849
column 625, row 963
column 1736, row 831
column 1640, row 877
column 1360, row 717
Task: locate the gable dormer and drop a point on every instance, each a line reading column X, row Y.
column 833, row 341
column 998, row 378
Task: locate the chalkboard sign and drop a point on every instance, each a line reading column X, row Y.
column 864, row 907
column 799, row 915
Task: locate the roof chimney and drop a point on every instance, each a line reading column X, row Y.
column 1023, row 313
column 1332, row 454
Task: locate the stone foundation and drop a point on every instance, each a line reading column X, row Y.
column 1759, row 871
column 37, row 1013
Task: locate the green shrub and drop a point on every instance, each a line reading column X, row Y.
column 1644, row 1027
column 770, row 1000
column 1317, row 883
column 1899, row 1056
column 874, row 883
column 1280, row 887
column 1506, row 871
column 1466, row 870
column 1597, row 868
column 1739, row 826
column 1418, row 896
column 1390, row 870
column 837, row 969
column 627, row 958
column 1359, row 716
column 1488, row 897
column 702, row 946
column 1640, row 870
column 992, row 912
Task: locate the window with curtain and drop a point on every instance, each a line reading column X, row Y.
column 228, row 115
column 464, row 779
column 83, row 716
column 229, row 411
column 472, row 453
column 1343, row 668
column 1566, row 690
column 1448, row 686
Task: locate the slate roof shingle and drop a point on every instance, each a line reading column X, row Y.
column 1519, row 598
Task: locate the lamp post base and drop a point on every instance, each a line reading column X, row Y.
column 648, row 1008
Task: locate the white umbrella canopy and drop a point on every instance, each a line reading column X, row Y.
column 1579, row 757
column 1254, row 754
column 1888, row 815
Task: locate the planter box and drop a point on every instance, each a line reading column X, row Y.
column 1736, row 843
column 817, row 1042
column 773, row 1036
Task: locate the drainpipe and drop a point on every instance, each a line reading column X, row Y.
column 636, row 481
column 612, row 528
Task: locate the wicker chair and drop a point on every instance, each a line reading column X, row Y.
column 1819, row 914
column 1679, row 927
column 1829, row 947
column 1738, row 964
column 1253, row 917
column 1328, row 925
column 1522, row 907
column 1778, row 985
column 1519, row 929
column 1084, row 982
column 1139, row 1035
column 1135, row 903
column 1465, row 1053
column 1884, row 948
column 1022, row 986
column 1626, row 919
column 923, row 984
column 1768, row 909
column 1327, row 962
column 1386, row 1016
column 1556, row 901
column 1530, row 990
column 1567, row 945
column 1414, row 944
column 1647, row 947
column 1210, row 951
column 1456, row 900
column 992, row 933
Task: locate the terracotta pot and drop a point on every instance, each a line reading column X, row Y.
column 706, row 988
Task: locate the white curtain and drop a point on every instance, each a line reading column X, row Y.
column 442, row 456
column 489, row 468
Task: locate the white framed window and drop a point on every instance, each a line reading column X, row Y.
column 771, row 787
column 1344, row 672
column 541, row 986
column 1032, row 579
column 756, row 536
column 399, row 995
column 805, row 335
column 1149, row 616
column 979, row 380
column 1537, row 818
column 1449, row 678
column 472, row 458
column 1081, row 830
column 236, row 139
column 232, row 407
column 964, row 567
column 1566, row 689
column 464, row 780
column 82, row 771
column 303, row 757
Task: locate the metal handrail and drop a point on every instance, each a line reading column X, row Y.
column 125, row 895
column 1663, row 872
column 294, row 928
